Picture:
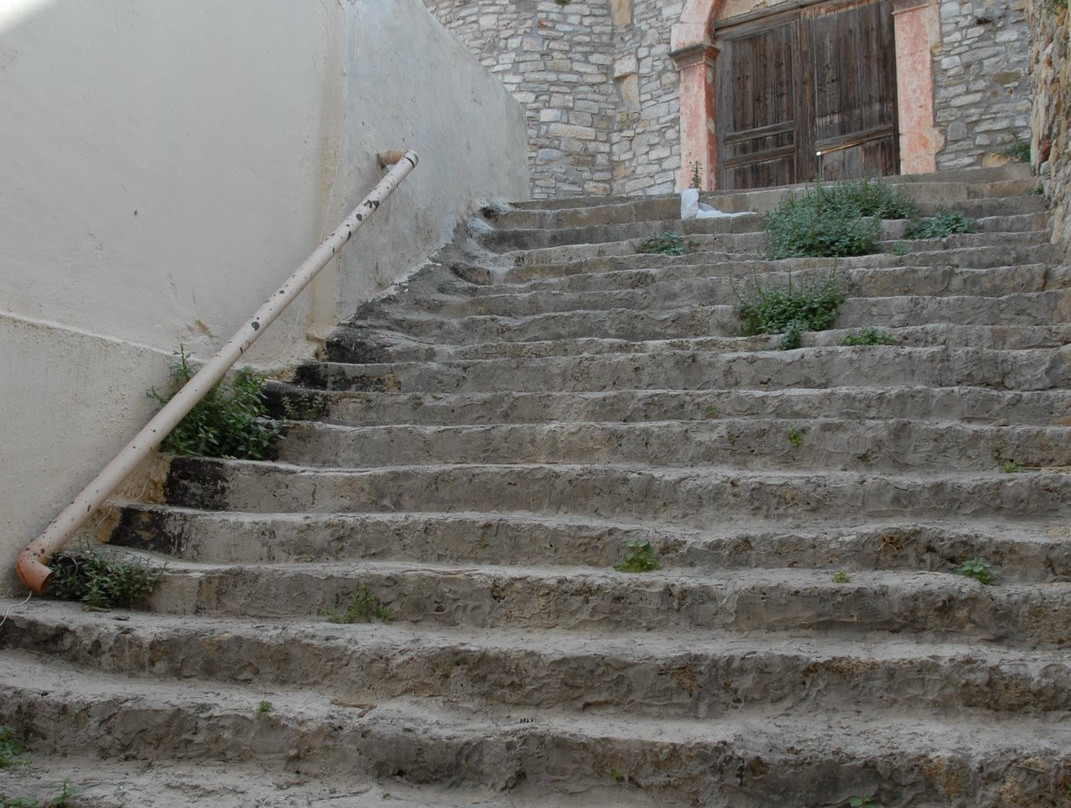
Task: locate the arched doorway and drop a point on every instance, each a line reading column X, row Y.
column 763, row 92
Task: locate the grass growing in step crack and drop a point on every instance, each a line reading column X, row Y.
column 639, row 557
column 264, row 706
column 102, row 580
column 862, row 802
column 667, row 243
column 795, row 437
column 868, row 336
column 1011, row 467
column 841, row 577
column 363, row 607
column 790, row 309
column 979, row 569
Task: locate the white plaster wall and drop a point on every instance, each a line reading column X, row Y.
column 165, row 165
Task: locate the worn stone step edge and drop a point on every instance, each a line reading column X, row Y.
column 897, row 445
column 743, row 762
column 674, row 321
column 373, row 346
column 1017, row 551
column 703, row 676
column 933, row 255
column 1030, row 369
column 986, row 219
column 979, row 405
column 749, row 601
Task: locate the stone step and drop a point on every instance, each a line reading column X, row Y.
column 899, row 445
column 969, row 404
column 696, row 497
column 922, row 254
column 358, row 346
column 743, row 245
column 1017, row 214
column 744, row 760
column 1052, row 307
column 676, row 292
column 1020, row 550
column 959, row 196
column 1030, row 369
column 730, row 277
column 927, row 605
column 678, row 675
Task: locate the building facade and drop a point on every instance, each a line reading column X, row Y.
column 642, row 96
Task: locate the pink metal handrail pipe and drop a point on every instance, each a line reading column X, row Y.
column 32, row 565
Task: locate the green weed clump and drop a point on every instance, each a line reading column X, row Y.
column 363, row 607
column 841, row 219
column 230, row 421
column 789, row 310
column 99, row 580
column 639, row 557
column 945, row 222
column 868, row 336
column 667, row 243
column 979, row 569
column 11, row 749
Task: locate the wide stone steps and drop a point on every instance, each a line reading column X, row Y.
column 696, row 496
column 705, row 675
column 889, row 445
column 473, row 454
column 734, row 761
column 1028, row 369
column 1021, row 551
column 970, row 404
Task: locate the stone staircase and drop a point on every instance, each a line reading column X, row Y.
column 488, row 442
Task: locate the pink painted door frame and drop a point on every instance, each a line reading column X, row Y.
column 691, row 49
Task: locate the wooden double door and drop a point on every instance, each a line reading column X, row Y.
column 807, row 94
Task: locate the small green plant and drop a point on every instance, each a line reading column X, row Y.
column 639, row 557
column 264, row 706
column 101, row 580
column 711, row 411
column 1011, row 467
column 945, row 222
column 363, row 607
column 665, row 243
column 1019, row 150
column 790, row 309
column 841, row 577
column 563, row 2
column 795, row 437
column 868, row 336
column 898, row 249
column 230, row 421
column 863, row 802
column 446, row 288
column 841, row 219
column 617, row 776
column 11, row 749
column 697, row 179
column 979, row 569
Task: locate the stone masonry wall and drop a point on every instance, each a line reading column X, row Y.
column 596, row 79
column 602, row 93
column 1049, row 123
column 981, row 81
